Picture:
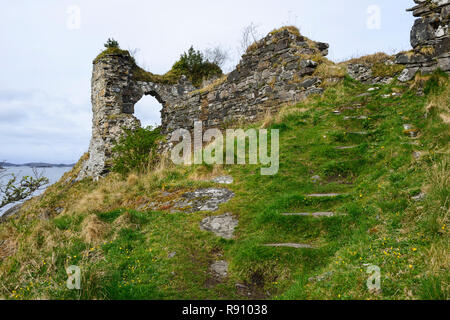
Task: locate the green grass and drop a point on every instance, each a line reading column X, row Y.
column 379, row 224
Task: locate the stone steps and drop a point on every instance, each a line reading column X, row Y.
column 356, row 117
column 354, row 107
column 412, row 143
column 324, row 195
column 290, row 245
column 223, row 180
column 222, row 226
column 410, row 130
column 348, row 108
column 205, row 199
column 310, row 214
column 219, row 269
column 346, row 147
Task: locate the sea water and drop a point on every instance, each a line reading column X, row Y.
column 52, row 173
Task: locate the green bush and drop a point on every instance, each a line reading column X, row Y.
column 136, row 150
column 111, row 43
column 193, row 65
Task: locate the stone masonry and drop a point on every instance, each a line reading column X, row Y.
column 114, row 94
column 277, row 70
column 430, row 39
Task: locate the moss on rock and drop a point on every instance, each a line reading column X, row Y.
column 112, row 52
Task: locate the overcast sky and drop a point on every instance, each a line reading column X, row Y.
column 47, row 53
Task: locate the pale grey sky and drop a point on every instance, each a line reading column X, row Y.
column 46, row 56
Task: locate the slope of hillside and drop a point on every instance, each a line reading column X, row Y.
column 369, row 164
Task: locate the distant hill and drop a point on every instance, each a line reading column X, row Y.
column 36, row 165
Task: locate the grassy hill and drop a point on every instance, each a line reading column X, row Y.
column 391, row 210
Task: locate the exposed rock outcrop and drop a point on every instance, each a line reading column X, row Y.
column 430, row 39
column 11, row 212
column 207, row 199
column 274, row 71
column 222, row 226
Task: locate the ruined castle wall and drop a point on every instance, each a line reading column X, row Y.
column 430, row 39
column 275, row 71
column 113, row 96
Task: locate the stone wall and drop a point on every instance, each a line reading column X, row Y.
column 372, row 69
column 430, row 39
column 277, row 70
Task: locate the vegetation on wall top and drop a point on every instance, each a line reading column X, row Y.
column 191, row 64
column 194, row 65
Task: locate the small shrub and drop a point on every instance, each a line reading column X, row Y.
column 193, row 65
column 111, row 43
column 136, row 150
column 15, row 190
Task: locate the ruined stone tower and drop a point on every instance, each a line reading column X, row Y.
column 114, row 92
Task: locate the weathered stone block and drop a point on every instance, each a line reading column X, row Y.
column 421, row 33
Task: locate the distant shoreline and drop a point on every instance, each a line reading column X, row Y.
column 5, row 165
